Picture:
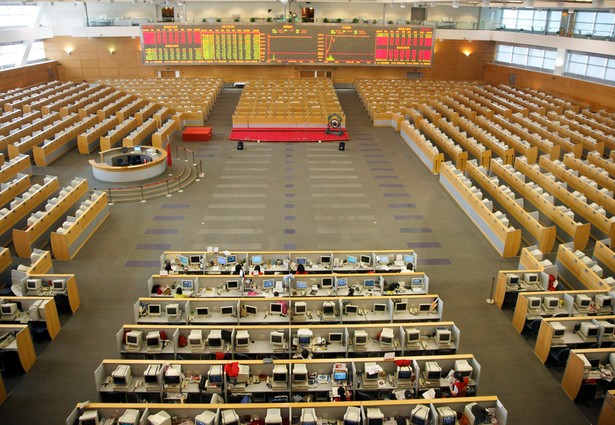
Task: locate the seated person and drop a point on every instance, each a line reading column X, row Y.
column 301, row 269
column 341, row 393
column 460, row 386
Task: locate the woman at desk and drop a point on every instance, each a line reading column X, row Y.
column 179, row 293
column 238, row 270
column 341, row 393
column 301, row 269
column 257, row 270
column 460, row 386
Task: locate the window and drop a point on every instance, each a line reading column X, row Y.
column 595, row 67
column 10, row 54
column 18, row 15
column 526, row 56
column 37, row 52
column 600, row 24
column 528, row 20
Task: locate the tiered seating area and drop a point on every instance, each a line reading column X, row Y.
column 537, row 181
column 287, row 110
column 192, row 98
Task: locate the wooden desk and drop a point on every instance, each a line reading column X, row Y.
column 103, row 171
column 63, row 142
column 427, row 153
column 87, row 141
column 72, row 292
column 607, row 413
column 572, row 268
column 10, row 169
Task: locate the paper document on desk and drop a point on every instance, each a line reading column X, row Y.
column 372, row 369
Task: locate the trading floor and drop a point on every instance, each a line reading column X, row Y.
column 289, row 196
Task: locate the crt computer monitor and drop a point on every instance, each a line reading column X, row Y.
column 383, row 259
column 417, row 282
column 221, row 260
column 227, row 310
column 256, row 259
column 369, row 283
column 187, row 284
column 302, row 261
column 328, row 308
column 300, row 308
column 251, row 310
column 351, row 259
column 89, row 417
column 153, row 340
column 134, row 338
column 366, row 260
column 195, row 259
column 380, row 308
column 59, row 284
column 350, row 309
column 202, row 311
column 326, row 282
column 231, row 259
column 325, row 259
column 301, row 284
column 268, row 284
column 342, row 282
column 232, row 285
column 413, row 335
column 336, row 337
column 401, row 307
column 33, row 284
column 153, row 309
column 173, row 310
column 276, row 338
column 602, row 300
column 276, row 308
column 340, row 375
column 8, row 309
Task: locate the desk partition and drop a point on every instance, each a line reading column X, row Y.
column 586, row 370
column 510, row 283
column 251, row 414
column 62, row 287
column 278, row 310
column 313, row 285
column 308, row 380
column 274, row 262
column 579, row 271
column 16, row 348
column 34, row 310
column 537, row 305
column 286, row 341
column 573, row 332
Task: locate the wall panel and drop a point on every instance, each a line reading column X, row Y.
column 90, row 58
column 29, row 75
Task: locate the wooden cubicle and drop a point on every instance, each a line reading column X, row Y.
column 52, row 322
column 575, row 368
column 23, row 344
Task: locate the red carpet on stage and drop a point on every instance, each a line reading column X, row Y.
column 285, row 134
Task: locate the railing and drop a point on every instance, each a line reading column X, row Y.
column 166, row 182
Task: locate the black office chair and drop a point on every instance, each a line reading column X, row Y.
column 558, row 357
column 531, row 327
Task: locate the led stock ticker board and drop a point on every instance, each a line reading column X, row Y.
column 270, row 44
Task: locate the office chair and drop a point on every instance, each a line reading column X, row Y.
column 530, row 329
column 241, row 356
column 558, row 357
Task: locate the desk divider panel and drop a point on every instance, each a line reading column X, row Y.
column 48, row 312
column 576, row 371
column 576, row 271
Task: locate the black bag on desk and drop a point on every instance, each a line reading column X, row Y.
column 481, row 415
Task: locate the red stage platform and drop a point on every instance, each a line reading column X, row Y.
column 285, row 134
column 196, row 134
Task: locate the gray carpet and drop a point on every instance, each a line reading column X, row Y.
column 374, row 195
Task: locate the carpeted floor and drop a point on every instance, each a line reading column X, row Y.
column 293, row 196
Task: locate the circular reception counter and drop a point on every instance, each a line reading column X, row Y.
column 123, row 165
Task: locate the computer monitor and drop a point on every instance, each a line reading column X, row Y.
column 366, row 260
column 336, row 337
column 187, row 285
column 33, row 284
column 221, row 260
column 582, row 302
column 300, row 375
column 304, row 336
column 195, row 338
column 231, row 259
column 463, row 367
column 58, row 284
column 134, row 339
column 184, row 261
column 122, row 376
column 214, row 339
column 340, row 375
column 152, row 340
column 446, row 416
column 417, row 282
column 432, row 371
column 328, row 308
column 326, row 282
column 8, row 309
column 206, row 418
column 151, row 375
column 153, row 310
column 173, row 310
column 227, row 310
column 443, row 336
column 232, row 285
column 369, row 283
column 383, row 259
column 342, row 282
column 202, row 311
column 230, row 417
column 268, row 284
column 413, row 335
column 89, row 417
column 160, row 418
column 251, row 310
column 558, row 330
column 256, row 259
column 589, row 329
column 531, row 278
column 603, row 300
column 533, row 302
column 351, row 259
column 424, row 307
column 242, row 338
column 401, row 307
column 374, row 416
column 408, row 259
column 280, row 375
column 380, row 308
column 325, row 259
column 360, row 338
column 351, row 309
column 512, row 279
column 195, row 260
column 215, row 374
column 387, row 337
column 606, row 329
column 300, row 308
column 301, row 284
column 404, row 373
column 276, row 308
column 302, row 261
column 550, row 303
column 276, row 338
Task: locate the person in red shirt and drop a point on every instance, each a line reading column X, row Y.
column 301, row 269
column 460, row 386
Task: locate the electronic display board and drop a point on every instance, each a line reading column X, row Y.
column 288, row 43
